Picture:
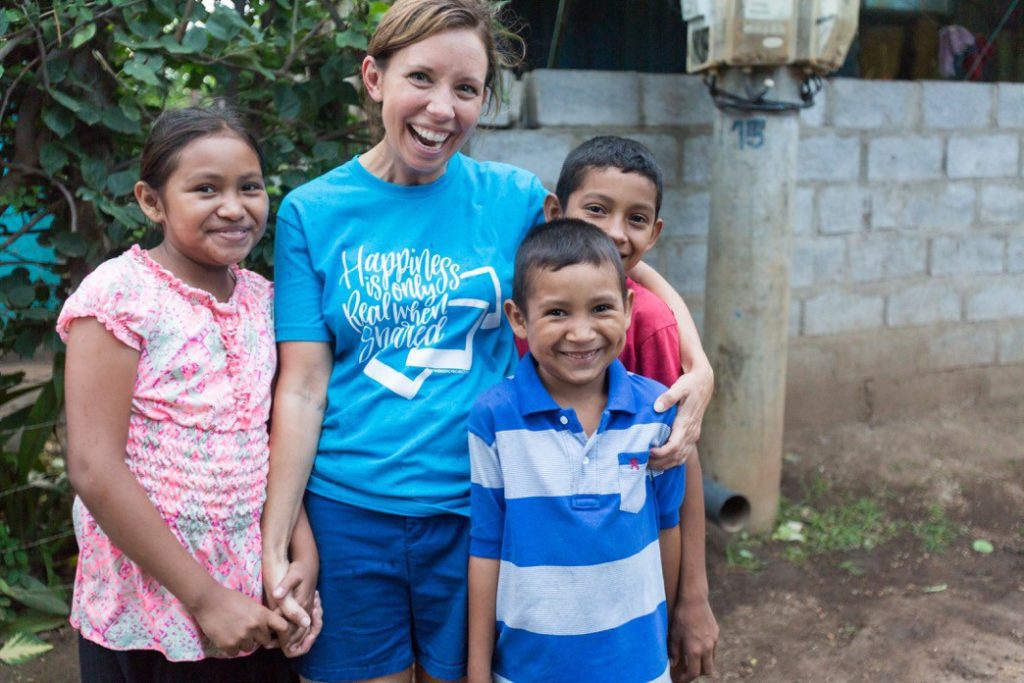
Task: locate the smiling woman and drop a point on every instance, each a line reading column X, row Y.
column 390, row 273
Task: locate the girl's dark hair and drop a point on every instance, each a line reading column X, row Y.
column 176, row 128
column 559, row 244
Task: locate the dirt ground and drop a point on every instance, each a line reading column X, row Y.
column 896, row 612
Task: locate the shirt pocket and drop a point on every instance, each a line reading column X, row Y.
column 633, row 480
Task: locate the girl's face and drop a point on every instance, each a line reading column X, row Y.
column 213, row 207
column 431, row 95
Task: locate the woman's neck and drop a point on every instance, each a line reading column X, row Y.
column 384, row 163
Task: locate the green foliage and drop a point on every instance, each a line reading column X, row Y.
column 22, row 647
column 81, row 83
column 861, row 524
column 937, row 532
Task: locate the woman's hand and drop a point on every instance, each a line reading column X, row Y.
column 691, row 393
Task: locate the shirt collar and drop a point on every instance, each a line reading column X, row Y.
column 533, row 397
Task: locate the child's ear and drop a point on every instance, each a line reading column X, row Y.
column 515, row 318
column 552, row 208
column 373, row 76
column 629, row 307
column 655, row 233
column 149, row 202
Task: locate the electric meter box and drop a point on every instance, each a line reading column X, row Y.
column 815, row 33
column 741, row 33
column 825, row 32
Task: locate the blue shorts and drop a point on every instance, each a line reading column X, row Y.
column 393, row 590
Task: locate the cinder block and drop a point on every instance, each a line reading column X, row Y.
column 1002, row 204
column 697, row 160
column 566, row 97
column 935, row 208
column 836, row 311
column 506, row 114
column 817, row 261
column 998, row 301
column 1011, row 344
column 539, row 151
column 983, row 156
column 1010, row 112
column 875, row 104
column 814, row 116
column 966, row 255
column 685, row 214
column 803, row 211
column 841, row 209
column 962, row 346
column 828, row 157
column 686, row 264
column 884, row 258
column 905, row 158
column 1015, row 255
column 956, row 105
column 671, row 100
column 923, row 305
column 666, row 151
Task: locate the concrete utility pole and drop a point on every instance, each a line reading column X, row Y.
column 761, row 58
column 746, row 321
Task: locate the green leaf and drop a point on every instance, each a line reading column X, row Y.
column 352, row 39
column 22, row 647
column 21, row 297
column 70, row 244
column 66, row 100
column 32, row 621
column 88, row 113
column 142, row 27
column 325, row 150
column 56, row 69
column 129, row 109
column 59, row 120
column 196, row 39
column 286, row 101
column 33, row 593
column 121, row 184
column 83, row 35
column 142, row 70
column 983, row 546
column 94, row 172
column 114, row 119
column 52, row 157
column 937, row 588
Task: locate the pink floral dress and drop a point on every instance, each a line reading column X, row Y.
column 197, row 442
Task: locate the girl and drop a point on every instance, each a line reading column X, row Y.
column 170, row 357
column 390, row 272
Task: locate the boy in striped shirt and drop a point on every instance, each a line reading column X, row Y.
column 574, row 543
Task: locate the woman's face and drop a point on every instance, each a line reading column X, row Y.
column 431, row 95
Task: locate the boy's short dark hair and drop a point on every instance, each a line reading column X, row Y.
column 558, row 244
column 608, row 151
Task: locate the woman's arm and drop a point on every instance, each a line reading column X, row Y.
column 692, row 392
column 300, row 398
column 97, row 439
column 483, row 593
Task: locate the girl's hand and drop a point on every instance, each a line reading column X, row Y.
column 691, row 393
column 236, row 623
column 297, row 589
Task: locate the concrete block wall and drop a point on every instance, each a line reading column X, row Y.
column 907, row 276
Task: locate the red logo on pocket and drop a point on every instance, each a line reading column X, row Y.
column 634, row 464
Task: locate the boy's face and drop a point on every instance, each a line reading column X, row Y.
column 575, row 323
column 621, row 204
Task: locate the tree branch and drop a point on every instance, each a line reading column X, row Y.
column 298, row 48
column 28, row 226
column 32, row 170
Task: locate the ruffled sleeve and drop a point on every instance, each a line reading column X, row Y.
column 113, row 294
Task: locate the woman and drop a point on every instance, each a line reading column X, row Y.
column 390, row 275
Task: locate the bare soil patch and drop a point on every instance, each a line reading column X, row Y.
column 897, row 611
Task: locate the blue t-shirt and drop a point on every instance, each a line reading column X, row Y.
column 406, row 284
column 574, row 521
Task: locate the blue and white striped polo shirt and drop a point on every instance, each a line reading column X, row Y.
column 574, row 521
